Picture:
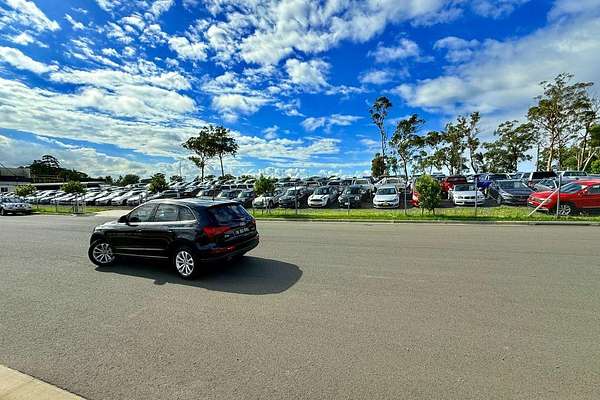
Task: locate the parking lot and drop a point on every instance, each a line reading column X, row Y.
column 318, row 310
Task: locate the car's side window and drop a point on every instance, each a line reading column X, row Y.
column 142, row 214
column 594, row 189
column 166, row 213
column 185, row 214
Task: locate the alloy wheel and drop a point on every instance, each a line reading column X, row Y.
column 184, row 262
column 565, row 209
column 103, row 253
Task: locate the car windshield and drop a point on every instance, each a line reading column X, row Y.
column 457, row 179
column 290, row 192
column 352, row 190
column 224, row 194
column 321, row 190
column 386, row 191
column 574, row 173
column 496, row 177
column 362, row 182
column 512, row 185
column 245, row 194
column 464, row 188
column 572, row 188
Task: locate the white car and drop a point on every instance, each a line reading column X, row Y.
column 267, row 200
column 466, row 195
column 323, row 196
column 14, row 206
column 387, row 196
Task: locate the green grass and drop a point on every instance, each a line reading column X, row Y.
column 503, row 213
column 64, row 209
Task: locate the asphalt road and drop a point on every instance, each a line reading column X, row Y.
column 317, row 311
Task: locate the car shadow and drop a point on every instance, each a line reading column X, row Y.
column 249, row 275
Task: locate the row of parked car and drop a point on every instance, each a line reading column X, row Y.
column 321, row 192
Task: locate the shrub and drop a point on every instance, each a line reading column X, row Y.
column 73, row 187
column 25, row 190
column 264, row 185
column 158, row 183
column 429, row 193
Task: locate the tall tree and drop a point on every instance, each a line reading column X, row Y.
column 590, row 117
column 158, row 183
column 470, row 130
column 379, row 111
column 224, row 144
column 556, row 116
column 513, row 141
column 203, row 146
column 405, row 141
column 377, row 166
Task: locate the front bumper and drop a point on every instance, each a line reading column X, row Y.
column 468, row 202
column 517, row 201
column 386, row 205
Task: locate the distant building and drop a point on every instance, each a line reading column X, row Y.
column 11, row 177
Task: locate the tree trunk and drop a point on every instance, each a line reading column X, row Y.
column 221, row 161
column 550, row 158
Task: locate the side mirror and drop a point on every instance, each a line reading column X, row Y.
column 122, row 219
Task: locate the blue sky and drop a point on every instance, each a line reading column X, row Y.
column 115, row 86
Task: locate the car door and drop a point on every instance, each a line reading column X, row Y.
column 125, row 235
column 158, row 234
column 590, row 199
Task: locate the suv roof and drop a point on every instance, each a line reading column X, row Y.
column 194, row 202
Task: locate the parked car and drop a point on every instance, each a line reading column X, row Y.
column 292, row 197
column 122, row 199
column 246, row 197
column 13, row 205
column 107, row 199
column 531, row 178
column 448, row 182
column 571, row 174
column 228, row 194
column 577, row 196
column 267, row 200
column 387, row 196
column 545, row 185
column 188, row 232
column 466, row 194
column 511, row 191
column 365, row 184
column 352, row 197
column 208, row 193
column 323, row 196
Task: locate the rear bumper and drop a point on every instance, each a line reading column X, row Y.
column 227, row 254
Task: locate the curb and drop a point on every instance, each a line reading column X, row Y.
column 442, row 222
column 17, row 385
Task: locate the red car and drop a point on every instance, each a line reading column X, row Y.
column 582, row 195
column 449, row 182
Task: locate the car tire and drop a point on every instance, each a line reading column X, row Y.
column 101, row 253
column 566, row 209
column 185, row 262
column 2, row 212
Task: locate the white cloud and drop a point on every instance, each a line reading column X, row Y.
column 160, row 6
column 406, row 48
column 502, row 77
column 20, row 61
column 497, row 8
column 458, row 50
column 22, row 38
column 110, row 52
column 376, row 77
column 233, row 104
column 108, row 5
column 565, row 8
column 134, row 20
column 186, row 50
column 311, row 74
column 268, row 31
column 313, row 123
column 26, row 13
column 74, row 24
column 271, row 132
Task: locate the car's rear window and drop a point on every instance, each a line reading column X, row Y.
column 457, row 179
column 226, row 214
column 543, row 175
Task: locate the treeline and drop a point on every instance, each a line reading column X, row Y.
column 562, row 131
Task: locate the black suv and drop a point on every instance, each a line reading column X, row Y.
column 189, row 232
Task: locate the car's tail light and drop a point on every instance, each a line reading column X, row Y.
column 212, row 232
